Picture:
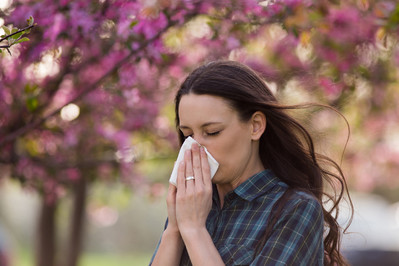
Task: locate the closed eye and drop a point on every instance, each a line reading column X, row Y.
column 213, row 133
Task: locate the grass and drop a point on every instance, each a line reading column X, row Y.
column 25, row 258
column 113, row 259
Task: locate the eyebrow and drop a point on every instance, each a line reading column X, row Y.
column 202, row 126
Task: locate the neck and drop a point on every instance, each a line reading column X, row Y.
column 223, row 189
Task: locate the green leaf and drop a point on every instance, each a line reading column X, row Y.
column 30, row 21
column 6, row 30
column 165, row 57
column 31, row 88
column 32, row 104
column 393, row 20
column 24, row 39
column 133, row 23
column 16, row 36
column 11, row 41
column 14, row 30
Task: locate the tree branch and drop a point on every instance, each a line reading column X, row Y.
column 12, row 34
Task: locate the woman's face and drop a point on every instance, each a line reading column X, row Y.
column 212, row 122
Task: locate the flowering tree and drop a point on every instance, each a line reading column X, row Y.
column 94, row 64
column 95, row 74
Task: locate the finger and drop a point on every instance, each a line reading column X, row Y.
column 206, row 171
column 181, row 175
column 171, row 206
column 171, row 199
column 196, row 158
column 189, row 171
column 171, row 194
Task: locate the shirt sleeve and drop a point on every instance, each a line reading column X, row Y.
column 297, row 237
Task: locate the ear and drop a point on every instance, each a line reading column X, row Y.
column 258, row 123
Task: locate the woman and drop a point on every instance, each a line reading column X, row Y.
column 264, row 205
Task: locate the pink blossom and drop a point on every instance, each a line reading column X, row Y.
column 270, row 73
column 251, row 6
column 59, row 25
column 5, row 96
column 175, row 71
column 146, row 73
column 384, row 8
column 330, row 87
column 155, row 50
column 73, row 174
column 150, row 27
column 29, row 170
column 10, row 70
column 64, row 94
column 123, row 27
column 64, row 3
column 232, row 43
column 188, row 4
column 285, row 52
column 343, row 61
column 127, row 75
column 122, row 139
column 71, row 137
column 348, row 25
column 132, row 97
column 80, row 20
column 179, row 16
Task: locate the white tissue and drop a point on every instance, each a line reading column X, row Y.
column 213, row 164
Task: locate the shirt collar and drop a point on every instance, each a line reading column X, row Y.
column 257, row 185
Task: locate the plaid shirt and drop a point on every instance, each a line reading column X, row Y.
column 297, row 237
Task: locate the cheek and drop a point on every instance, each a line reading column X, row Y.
column 232, row 160
column 219, row 151
column 231, row 151
column 229, row 154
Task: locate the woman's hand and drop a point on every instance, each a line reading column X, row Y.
column 193, row 197
column 171, row 245
column 171, row 207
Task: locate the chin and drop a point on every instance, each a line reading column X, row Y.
column 215, row 178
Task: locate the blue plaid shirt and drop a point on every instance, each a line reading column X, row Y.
column 297, row 237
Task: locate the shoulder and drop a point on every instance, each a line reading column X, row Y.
column 303, row 206
column 303, row 197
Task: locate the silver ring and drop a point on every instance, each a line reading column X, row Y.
column 189, row 178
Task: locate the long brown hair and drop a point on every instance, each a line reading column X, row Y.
column 286, row 147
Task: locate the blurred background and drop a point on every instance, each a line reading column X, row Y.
column 87, row 134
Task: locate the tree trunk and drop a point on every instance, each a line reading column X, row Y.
column 77, row 223
column 46, row 247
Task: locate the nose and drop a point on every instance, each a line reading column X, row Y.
column 199, row 140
